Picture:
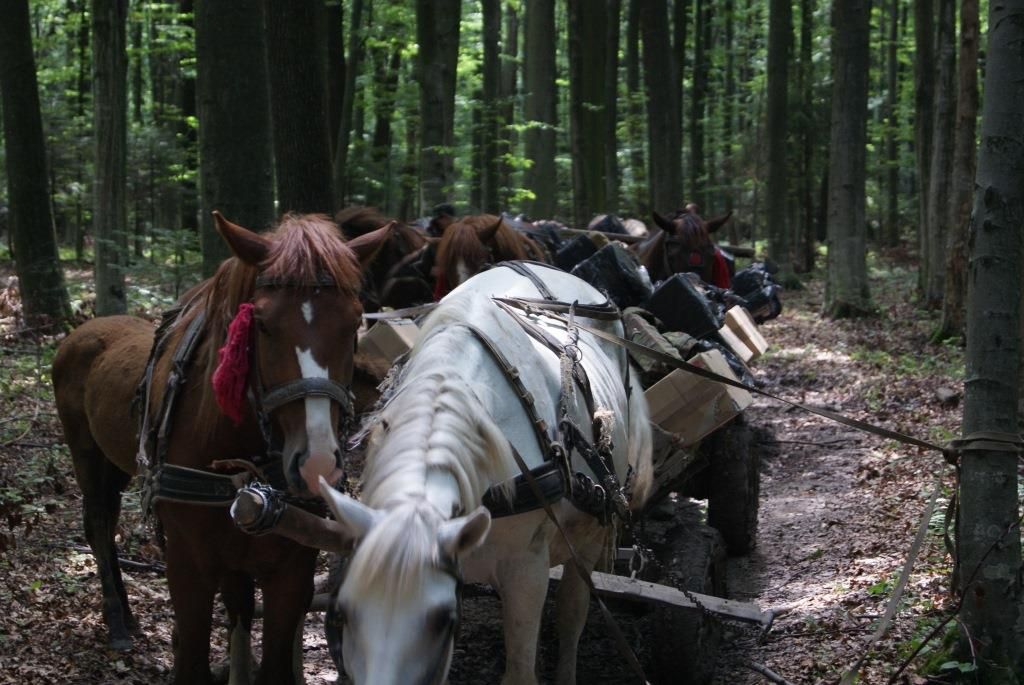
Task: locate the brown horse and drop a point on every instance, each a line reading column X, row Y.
column 683, row 243
column 398, row 276
column 291, row 296
column 471, row 243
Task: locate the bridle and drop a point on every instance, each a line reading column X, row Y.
column 265, row 401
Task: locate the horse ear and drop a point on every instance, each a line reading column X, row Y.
column 354, row 517
column 663, row 223
column 714, row 224
column 250, row 247
column 368, row 245
column 464, row 534
column 487, row 235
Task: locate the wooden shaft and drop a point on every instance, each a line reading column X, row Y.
column 295, row 524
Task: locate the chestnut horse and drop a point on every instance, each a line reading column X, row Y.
column 471, row 243
column 291, row 299
column 400, row 275
column 683, row 243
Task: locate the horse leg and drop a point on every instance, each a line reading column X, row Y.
column 286, row 596
column 239, row 593
column 572, row 602
column 523, row 585
column 193, row 589
column 101, row 484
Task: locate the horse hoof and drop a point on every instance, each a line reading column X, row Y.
column 120, row 644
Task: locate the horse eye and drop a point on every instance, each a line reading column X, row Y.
column 441, row 620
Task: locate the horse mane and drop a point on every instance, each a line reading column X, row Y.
column 358, row 220
column 461, row 243
column 692, row 232
column 432, row 424
column 302, row 247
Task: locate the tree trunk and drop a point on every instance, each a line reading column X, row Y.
column 698, row 101
column 437, row 31
column 334, row 23
column 356, row 44
column 924, row 95
column 635, row 115
column 728, row 113
column 109, row 214
column 961, row 195
column 491, row 66
column 663, row 131
column 988, row 537
column 539, row 106
column 386, row 86
column 680, row 25
column 40, row 277
column 235, row 152
column 846, row 288
column 298, row 106
column 808, row 137
column 780, row 39
column 611, row 76
column 587, row 112
column 507, row 98
column 940, row 178
column 891, row 228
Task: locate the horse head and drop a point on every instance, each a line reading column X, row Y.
column 292, row 297
column 396, row 614
column 473, row 242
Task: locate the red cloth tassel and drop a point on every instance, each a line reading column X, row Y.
column 232, row 373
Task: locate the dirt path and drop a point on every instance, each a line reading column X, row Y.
column 837, row 516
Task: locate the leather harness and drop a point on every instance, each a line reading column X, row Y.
column 171, row 482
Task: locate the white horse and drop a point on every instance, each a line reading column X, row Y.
column 438, row 445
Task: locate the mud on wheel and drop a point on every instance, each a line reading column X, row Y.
column 684, row 643
column 733, row 485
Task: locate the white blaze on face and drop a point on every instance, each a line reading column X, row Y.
column 462, row 271
column 307, row 312
column 320, row 440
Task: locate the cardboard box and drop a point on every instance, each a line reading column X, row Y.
column 387, row 340
column 742, row 324
column 693, row 407
column 735, row 344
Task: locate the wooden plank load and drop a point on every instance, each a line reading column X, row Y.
column 387, row 340
column 693, row 407
column 743, row 329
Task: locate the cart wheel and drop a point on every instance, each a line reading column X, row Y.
column 734, row 486
column 684, row 644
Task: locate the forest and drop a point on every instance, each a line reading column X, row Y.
column 849, row 140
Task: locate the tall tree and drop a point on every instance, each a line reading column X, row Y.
column 611, row 96
column 663, row 131
column 437, row 32
column 40, row 277
column 386, row 68
column 846, row 288
column 805, row 251
column 507, row 95
column 891, row 228
column 296, row 43
column 989, row 537
column 635, row 112
column 960, row 198
column 235, row 150
column 924, row 93
column 343, row 137
column 587, row 111
column 698, row 100
column 110, row 113
column 780, row 40
column 334, row 25
column 491, row 66
column 939, row 179
column 539, row 106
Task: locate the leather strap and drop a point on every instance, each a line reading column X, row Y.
column 306, row 387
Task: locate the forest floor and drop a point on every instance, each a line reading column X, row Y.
column 839, row 510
